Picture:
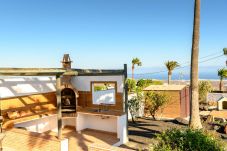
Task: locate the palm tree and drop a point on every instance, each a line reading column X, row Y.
column 171, row 65
column 135, row 61
column 195, row 122
column 222, row 73
column 225, row 51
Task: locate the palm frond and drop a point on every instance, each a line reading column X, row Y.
column 171, row 65
column 136, row 61
column 222, row 73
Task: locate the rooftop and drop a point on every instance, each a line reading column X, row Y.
column 215, row 96
column 164, row 87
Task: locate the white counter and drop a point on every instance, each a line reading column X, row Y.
column 45, row 123
column 115, row 123
column 108, row 123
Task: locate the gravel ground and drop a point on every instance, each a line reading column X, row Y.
column 142, row 134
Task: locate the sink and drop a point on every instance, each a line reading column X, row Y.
column 103, row 110
column 93, row 110
column 97, row 110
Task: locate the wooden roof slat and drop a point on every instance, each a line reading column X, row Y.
column 35, row 72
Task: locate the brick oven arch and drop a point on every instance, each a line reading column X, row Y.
column 69, row 100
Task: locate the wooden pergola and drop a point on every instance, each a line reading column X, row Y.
column 57, row 72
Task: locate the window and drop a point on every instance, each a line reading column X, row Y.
column 103, row 92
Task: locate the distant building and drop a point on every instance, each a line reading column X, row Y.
column 178, row 105
column 214, row 82
column 217, row 100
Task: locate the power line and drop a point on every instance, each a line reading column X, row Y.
column 211, row 58
column 184, row 65
column 213, row 54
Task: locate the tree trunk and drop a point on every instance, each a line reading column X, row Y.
column 195, row 122
column 154, row 117
column 132, row 117
column 221, row 84
column 169, row 77
column 133, row 71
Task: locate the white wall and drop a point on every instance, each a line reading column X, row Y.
column 220, row 103
column 69, row 121
column 40, row 125
column 82, row 83
column 115, row 124
column 46, row 123
column 20, row 86
column 122, row 133
column 65, row 144
column 97, row 122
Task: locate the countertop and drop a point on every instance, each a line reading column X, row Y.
column 102, row 113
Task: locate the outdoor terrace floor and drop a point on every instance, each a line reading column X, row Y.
column 21, row 140
column 80, row 142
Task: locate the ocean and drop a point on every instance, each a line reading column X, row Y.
column 210, row 73
column 160, row 76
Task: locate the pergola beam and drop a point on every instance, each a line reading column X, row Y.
column 98, row 72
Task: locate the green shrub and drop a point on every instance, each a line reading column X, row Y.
column 225, row 51
column 204, row 88
column 155, row 101
column 156, row 82
column 134, row 105
column 131, row 85
column 188, row 140
column 143, row 83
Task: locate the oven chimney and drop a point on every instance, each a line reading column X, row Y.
column 68, row 93
column 66, row 62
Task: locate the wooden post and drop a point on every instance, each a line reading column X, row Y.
column 126, row 94
column 59, row 116
column 1, row 118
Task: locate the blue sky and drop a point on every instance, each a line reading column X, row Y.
column 107, row 33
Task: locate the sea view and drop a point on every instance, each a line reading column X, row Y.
column 179, row 74
column 176, row 76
